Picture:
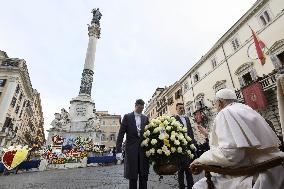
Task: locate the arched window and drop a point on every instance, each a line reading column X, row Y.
column 112, row 137
column 189, row 108
column 196, row 77
column 246, row 74
column 219, row 85
column 199, row 101
column 103, row 137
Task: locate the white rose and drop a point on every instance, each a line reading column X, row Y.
column 146, row 128
column 176, row 123
column 168, row 152
column 152, row 124
column 148, row 133
column 166, row 123
column 173, row 138
column 164, row 148
column 145, row 142
column 152, row 151
column 179, row 128
column 162, row 136
column 184, row 142
column 156, row 130
column 159, row 151
column 173, row 149
column 179, row 150
column 168, row 128
column 184, row 129
column 148, row 153
column 192, row 147
column 154, row 141
column 180, row 136
column 154, row 121
column 188, row 138
column 191, row 156
column 177, row 142
column 188, row 152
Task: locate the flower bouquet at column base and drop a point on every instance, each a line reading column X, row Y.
column 166, row 143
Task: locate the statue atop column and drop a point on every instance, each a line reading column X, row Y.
column 96, row 16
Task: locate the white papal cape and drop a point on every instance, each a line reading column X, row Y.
column 241, row 137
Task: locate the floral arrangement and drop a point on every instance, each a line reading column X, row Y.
column 14, row 156
column 199, row 137
column 83, row 155
column 165, row 140
column 59, row 161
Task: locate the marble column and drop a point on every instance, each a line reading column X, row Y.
column 88, row 72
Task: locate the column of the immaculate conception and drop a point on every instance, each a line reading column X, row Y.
column 81, row 119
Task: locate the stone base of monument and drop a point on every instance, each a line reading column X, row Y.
column 45, row 166
column 92, row 164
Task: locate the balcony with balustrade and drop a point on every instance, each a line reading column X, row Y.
column 267, row 82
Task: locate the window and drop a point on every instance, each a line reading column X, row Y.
column 112, row 137
column 219, row 85
column 247, row 78
column 17, row 89
column 170, row 101
column 199, row 101
column 21, row 113
column 103, row 137
column 265, row 17
column 235, row 43
column 246, row 74
column 17, row 109
column 21, row 97
column 196, row 77
column 185, row 87
column 178, row 94
column 213, row 62
column 13, row 102
column 24, row 103
column 189, row 108
column 2, row 82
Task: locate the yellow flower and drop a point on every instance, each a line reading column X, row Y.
column 167, row 142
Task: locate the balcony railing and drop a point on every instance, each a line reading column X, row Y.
column 267, row 83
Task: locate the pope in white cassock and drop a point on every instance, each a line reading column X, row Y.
column 240, row 137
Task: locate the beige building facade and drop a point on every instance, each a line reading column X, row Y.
column 163, row 101
column 232, row 62
column 109, row 128
column 21, row 118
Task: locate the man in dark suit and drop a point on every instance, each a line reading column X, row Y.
column 135, row 162
column 184, row 163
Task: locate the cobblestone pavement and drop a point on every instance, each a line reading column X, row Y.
column 103, row 177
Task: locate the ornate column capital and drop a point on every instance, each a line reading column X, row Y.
column 94, row 30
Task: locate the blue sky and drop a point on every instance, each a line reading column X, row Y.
column 144, row 45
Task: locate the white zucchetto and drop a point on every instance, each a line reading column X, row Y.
column 226, row 94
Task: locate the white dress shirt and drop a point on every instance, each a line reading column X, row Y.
column 138, row 122
column 182, row 118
